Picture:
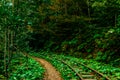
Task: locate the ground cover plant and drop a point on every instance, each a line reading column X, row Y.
column 65, row 71
column 80, row 28
column 106, row 69
column 1, row 67
column 24, row 68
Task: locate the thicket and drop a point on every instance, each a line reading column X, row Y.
column 14, row 19
column 22, row 68
column 67, row 74
column 87, row 28
column 82, row 28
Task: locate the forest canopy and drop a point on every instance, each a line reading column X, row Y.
column 88, row 26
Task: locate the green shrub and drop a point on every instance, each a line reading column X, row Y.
column 26, row 70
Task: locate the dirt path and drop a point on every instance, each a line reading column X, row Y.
column 51, row 73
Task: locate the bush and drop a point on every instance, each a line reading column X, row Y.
column 26, row 70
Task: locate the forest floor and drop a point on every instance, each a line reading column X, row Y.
column 51, row 73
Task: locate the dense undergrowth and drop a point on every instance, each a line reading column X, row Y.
column 67, row 74
column 65, row 71
column 83, row 28
column 1, row 66
column 24, row 68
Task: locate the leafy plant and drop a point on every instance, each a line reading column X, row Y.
column 28, row 70
column 108, row 70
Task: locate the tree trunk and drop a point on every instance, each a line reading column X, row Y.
column 8, row 51
column 65, row 6
column 5, row 52
column 115, row 20
column 88, row 3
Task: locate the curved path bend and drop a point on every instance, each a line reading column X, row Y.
column 51, row 73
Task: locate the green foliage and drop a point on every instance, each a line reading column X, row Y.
column 1, row 65
column 108, row 70
column 65, row 71
column 75, row 27
column 108, row 45
column 26, row 69
column 106, row 10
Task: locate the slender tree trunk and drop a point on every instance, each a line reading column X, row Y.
column 8, row 50
column 65, row 6
column 11, row 43
column 5, row 52
column 88, row 3
column 13, row 5
column 115, row 20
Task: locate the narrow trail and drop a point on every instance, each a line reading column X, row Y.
column 51, row 73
